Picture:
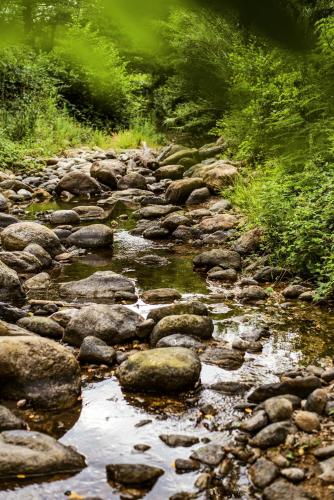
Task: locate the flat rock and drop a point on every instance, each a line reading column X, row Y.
column 176, row 440
column 179, row 340
column 167, row 370
column 155, row 211
column 133, row 474
column 185, row 324
column 161, row 295
column 100, row 285
column 34, row 454
column 211, row 454
column 229, row 359
column 301, row 387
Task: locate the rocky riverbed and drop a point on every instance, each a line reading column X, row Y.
column 148, row 347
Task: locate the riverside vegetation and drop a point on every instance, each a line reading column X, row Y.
column 166, row 258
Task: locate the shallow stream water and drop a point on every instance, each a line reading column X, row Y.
column 104, row 428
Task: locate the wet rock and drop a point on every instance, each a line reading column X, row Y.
column 9, row 421
column 178, row 191
column 272, row 435
column 221, row 222
column 252, row 293
column 21, row 262
column 106, row 172
column 40, row 281
column 316, row 401
column 133, row 180
column 203, row 481
column 185, row 324
column 230, row 387
column 249, row 242
column 94, row 350
column 278, row 409
column 176, row 440
column 161, row 295
column 39, row 370
column 172, row 221
column 93, row 236
column 229, row 275
column 263, row 472
column 152, row 261
column 293, row 474
column 166, row 370
column 79, row 184
column 142, row 447
column 301, row 387
column 45, row 327
column 10, row 285
column 283, row 490
column 247, row 345
column 90, row 212
column 156, row 211
column 324, row 452
column 225, row 259
column 18, row 236
column 64, row 217
column 179, row 340
column 35, row 454
column 183, row 465
column 211, row 454
column 327, row 468
column 155, row 232
column 133, row 474
column 7, row 220
column 229, row 359
column 307, row 421
column 293, row 291
column 100, row 285
column 198, row 196
column 194, row 307
column 255, row 423
column 172, row 172
column 111, row 323
column 270, row 274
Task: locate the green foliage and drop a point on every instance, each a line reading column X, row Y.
column 141, row 131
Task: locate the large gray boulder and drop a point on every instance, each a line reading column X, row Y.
column 18, row 236
column 100, row 285
column 111, row 323
column 79, row 184
column 186, row 324
column 225, row 259
column 39, row 370
column 93, row 236
column 165, row 370
column 34, row 454
column 10, row 285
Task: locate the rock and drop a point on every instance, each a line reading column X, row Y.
column 9, row 421
column 21, row 262
column 39, row 370
column 307, row 421
column 64, row 316
column 152, row 261
column 100, row 285
column 45, row 327
column 249, row 242
column 179, row 340
column 316, row 401
column 211, row 454
column 217, row 175
column 94, row 350
column 105, row 172
column 172, row 221
column 293, row 474
column 198, row 196
column 64, row 217
column 185, row 234
column 40, row 281
column 308, row 296
column 10, row 285
column 327, row 468
column 10, row 313
column 226, row 259
column 42, row 255
column 194, row 307
column 155, row 232
column 328, row 375
column 183, row 465
column 185, row 324
column 4, row 204
column 324, row 452
column 278, row 409
column 272, row 435
column 252, row 293
column 247, row 345
column 221, row 206
column 93, row 236
column 293, row 291
column 167, row 370
column 161, row 295
column 172, row 172
column 141, row 447
column 133, row 180
column 34, row 454
column 156, row 211
column 111, row 323
column 133, row 474
column 179, row 191
column 270, row 274
column 263, row 472
column 223, row 275
column 176, row 440
column 221, row 222
column 301, row 387
column 18, row 236
column 229, row 359
column 230, row 387
column 256, row 422
column 7, row 220
column 79, row 184
column 90, row 212
column 283, row 490
column 175, row 157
